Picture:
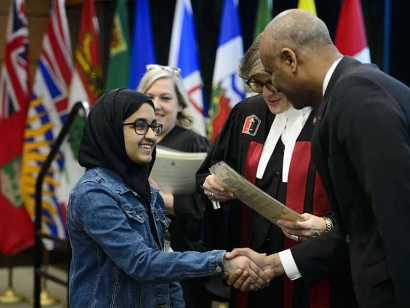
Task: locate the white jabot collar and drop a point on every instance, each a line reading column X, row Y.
column 288, row 124
column 329, row 74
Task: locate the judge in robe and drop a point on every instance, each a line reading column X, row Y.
column 268, row 142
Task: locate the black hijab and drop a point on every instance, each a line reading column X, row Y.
column 102, row 144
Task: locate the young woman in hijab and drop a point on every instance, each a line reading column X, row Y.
column 117, row 222
column 164, row 86
column 268, row 141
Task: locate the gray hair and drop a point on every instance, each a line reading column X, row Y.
column 184, row 117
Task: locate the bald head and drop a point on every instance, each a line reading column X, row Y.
column 298, row 30
column 296, row 49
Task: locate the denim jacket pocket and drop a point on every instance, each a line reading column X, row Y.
column 137, row 214
column 137, row 218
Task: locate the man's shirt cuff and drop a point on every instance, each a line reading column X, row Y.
column 289, row 264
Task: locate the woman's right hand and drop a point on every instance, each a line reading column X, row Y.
column 300, row 231
column 215, row 191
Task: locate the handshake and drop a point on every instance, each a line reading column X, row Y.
column 248, row 270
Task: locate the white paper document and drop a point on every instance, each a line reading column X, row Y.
column 251, row 195
column 174, row 171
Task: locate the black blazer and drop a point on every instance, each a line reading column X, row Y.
column 361, row 148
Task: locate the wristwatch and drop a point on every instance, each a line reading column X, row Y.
column 329, row 223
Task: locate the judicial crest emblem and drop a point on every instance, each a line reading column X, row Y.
column 251, row 125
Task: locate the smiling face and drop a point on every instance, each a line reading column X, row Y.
column 162, row 93
column 276, row 101
column 139, row 147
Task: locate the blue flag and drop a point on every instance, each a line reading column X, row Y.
column 142, row 43
column 227, row 88
column 184, row 54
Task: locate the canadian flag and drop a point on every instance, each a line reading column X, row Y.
column 350, row 36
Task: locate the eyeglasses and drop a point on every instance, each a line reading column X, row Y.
column 141, row 127
column 171, row 69
column 257, row 85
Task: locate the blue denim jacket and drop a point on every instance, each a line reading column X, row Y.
column 116, row 261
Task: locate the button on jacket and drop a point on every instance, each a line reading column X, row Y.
column 116, row 252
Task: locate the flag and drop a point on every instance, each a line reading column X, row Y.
column 142, row 44
column 308, row 5
column 16, row 227
column 87, row 81
column 86, row 85
column 263, row 16
column 227, row 88
column 184, row 54
column 46, row 114
column 119, row 61
column 350, row 36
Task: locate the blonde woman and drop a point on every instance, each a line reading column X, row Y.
column 164, row 86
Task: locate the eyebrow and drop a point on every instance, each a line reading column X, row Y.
column 144, row 120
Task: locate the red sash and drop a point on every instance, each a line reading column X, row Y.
column 295, row 199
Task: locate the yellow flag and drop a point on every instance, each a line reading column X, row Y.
column 308, row 5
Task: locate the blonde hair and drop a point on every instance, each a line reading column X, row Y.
column 251, row 63
column 184, row 117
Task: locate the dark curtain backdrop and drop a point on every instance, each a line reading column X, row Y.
column 207, row 14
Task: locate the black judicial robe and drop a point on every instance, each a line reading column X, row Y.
column 235, row 225
column 186, row 225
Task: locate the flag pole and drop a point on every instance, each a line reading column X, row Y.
column 9, row 296
column 45, row 299
column 386, row 36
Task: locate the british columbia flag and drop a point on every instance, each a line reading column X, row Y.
column 47, row 112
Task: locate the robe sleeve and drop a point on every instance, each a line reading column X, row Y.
column 226, row 149
column 188, row 208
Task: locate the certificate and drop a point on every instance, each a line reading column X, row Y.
column 174, row 171
column 251, row 195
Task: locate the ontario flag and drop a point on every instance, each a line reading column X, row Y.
column 16, row 227
column 350, row 36
column 184, row 54
column 227, row 88
column 47, row 112
column 87, row 85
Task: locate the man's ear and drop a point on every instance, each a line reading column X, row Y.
column 289, row 58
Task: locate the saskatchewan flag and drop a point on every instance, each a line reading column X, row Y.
column 263, row 17
column 119, row 61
